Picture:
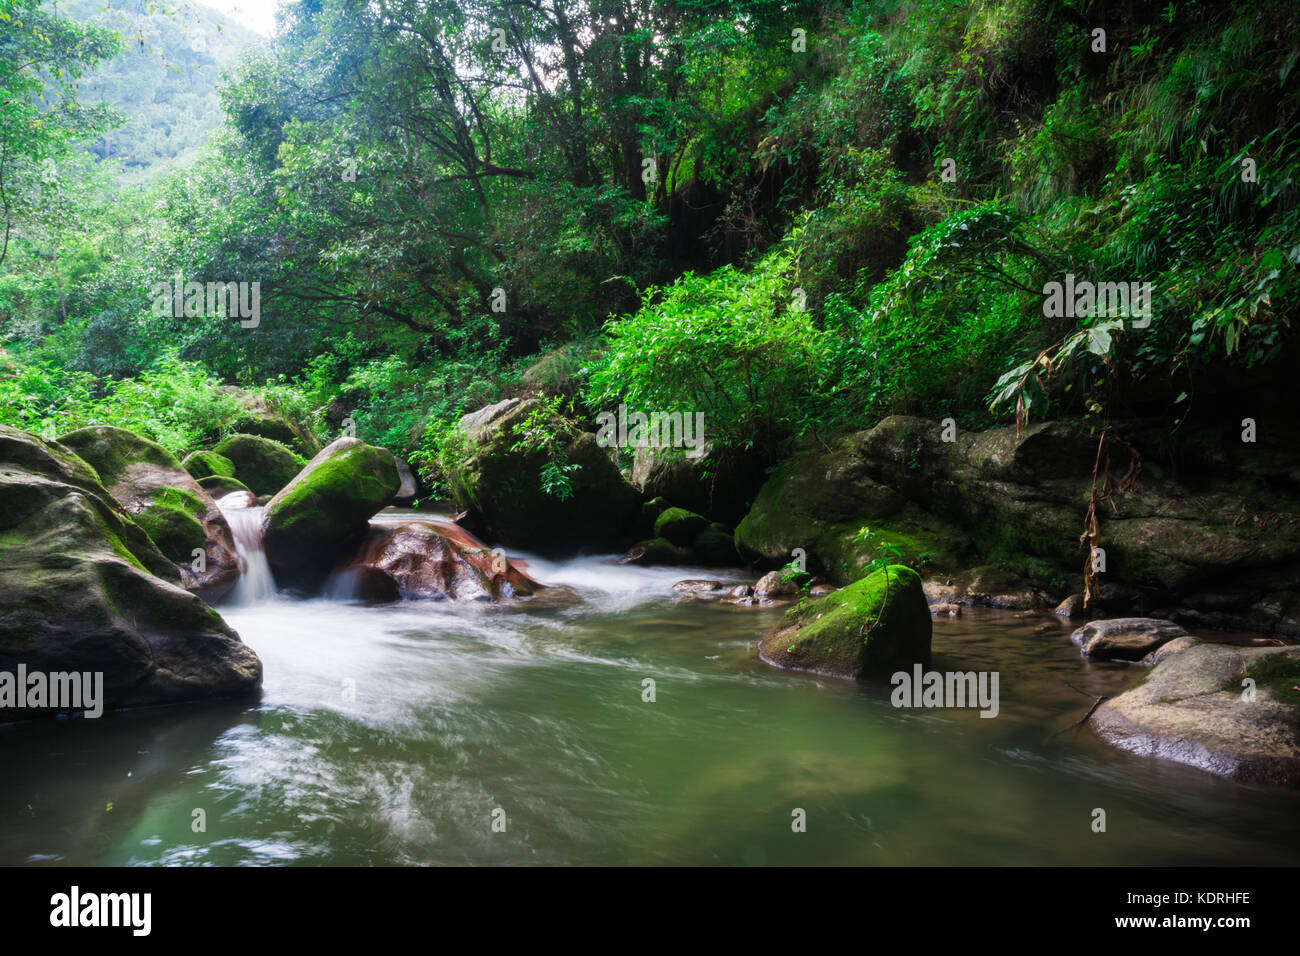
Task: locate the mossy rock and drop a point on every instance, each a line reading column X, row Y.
column 113, row 450
column 311, row 524
column 265, row 466
column 502, row 478
column 177, row 513
column 680, row 526
column 875, row 626
column 219, row 486
column 173, row 521
column 84, row 589
column 206, row 464
column 267, row 419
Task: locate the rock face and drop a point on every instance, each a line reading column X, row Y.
column 1193, row 709
column 426, row 561
column 1124, row 638
column 84, row 589
column 1217, row 543
column 324, row 512
column 877, row 625
column 502, row 477
column 164, row 499
column 720, row 486
column 263, row 465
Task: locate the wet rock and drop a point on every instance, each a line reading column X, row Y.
column 945, row 610
column 874, row 626
column 82, row 588
column 700, row 588
column 1124, row 638
column 1193, row 708
column 1071, row 607
column 656, row 551
column 427, row 561
column 775, row 584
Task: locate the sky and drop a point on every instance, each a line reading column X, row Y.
column 257, row 15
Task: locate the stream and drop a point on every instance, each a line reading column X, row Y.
column 399, row 734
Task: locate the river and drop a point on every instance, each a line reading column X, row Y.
column 437, row 733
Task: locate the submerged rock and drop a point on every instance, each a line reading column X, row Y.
column 877, row 625
column 552, row 501
column 1193, row 708
column 265, row 466
column 163, row 498
column 323, row 513
column 83, row 589
column 1124, row 638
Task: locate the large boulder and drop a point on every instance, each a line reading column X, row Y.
column 324, row 512
column 564, row 498
column 875, row 626
column 428, row 561
column 163, row 498
column 1194, row 709
column 826, row 505
column 265, row 466
column 83, row 589
column 719, row 485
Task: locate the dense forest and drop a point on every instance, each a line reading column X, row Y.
column 608, row 431
column 797, row 217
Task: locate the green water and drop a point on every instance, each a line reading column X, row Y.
column 395, row 735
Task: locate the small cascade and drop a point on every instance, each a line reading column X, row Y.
column 256, row 585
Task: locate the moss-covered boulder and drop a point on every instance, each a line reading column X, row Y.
column 538, row 483
column 163, row 498
column 82, row 588
column 320, row 516
column 218, row 486
column 205, row 464
column 826, row 505
column 268, row 418
column 264, row 465
column 874, row 626
column 680, row 526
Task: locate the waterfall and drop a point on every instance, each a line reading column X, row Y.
column 255, row 585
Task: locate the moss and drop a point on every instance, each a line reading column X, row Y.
column 680, row 526
column 111, row 450
column 1278, row 673
column 217, row 486
column 173, row 528
column 206, row 464
column 265, row 466
column 876, row 624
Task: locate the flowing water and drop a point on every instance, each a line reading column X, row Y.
column 399, row 734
